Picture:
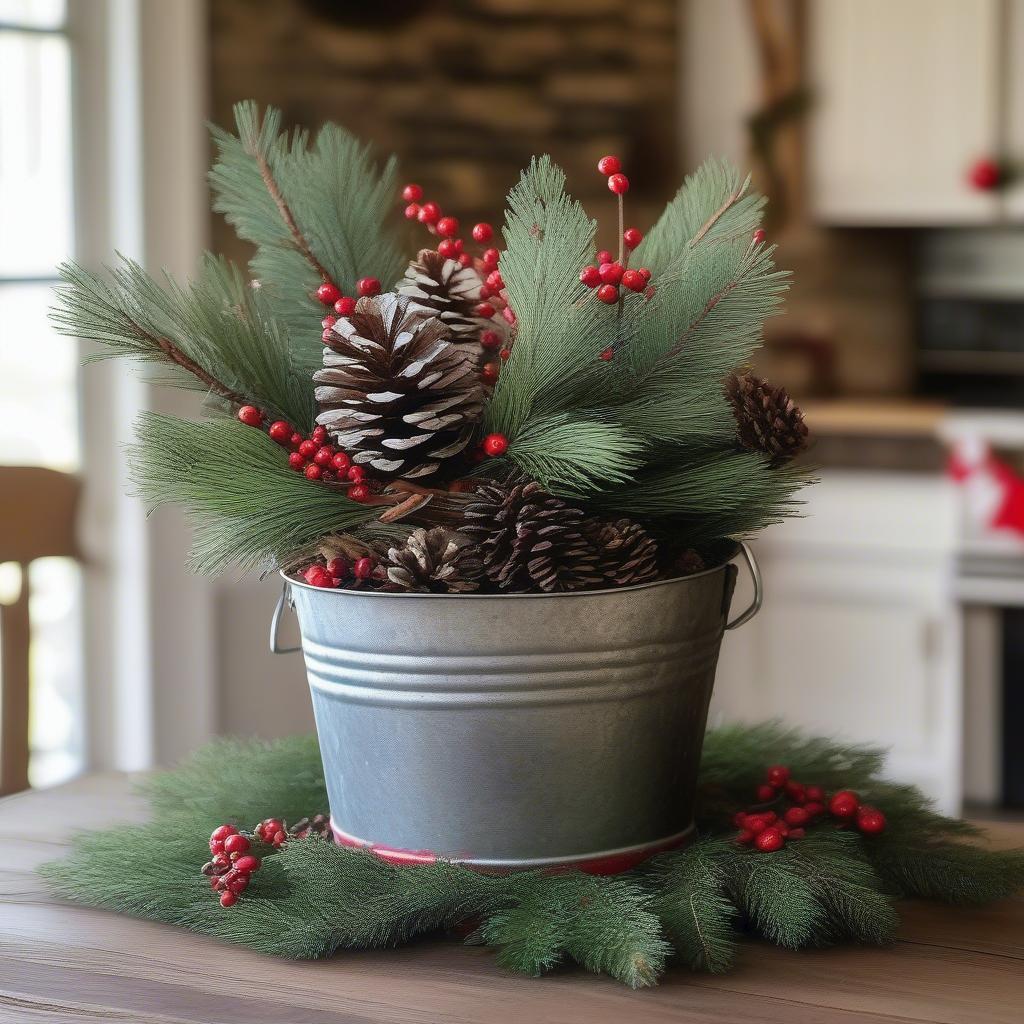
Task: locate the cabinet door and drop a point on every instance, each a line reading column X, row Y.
column 906, row 96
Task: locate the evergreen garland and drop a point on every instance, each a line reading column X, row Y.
column 313, row 898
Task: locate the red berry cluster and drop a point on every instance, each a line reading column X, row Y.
column 609, row 274
column 314, row 456
column 232, row 865
column 330, row 295
column 339, row 570
column 769, row 830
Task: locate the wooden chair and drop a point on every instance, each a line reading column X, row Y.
column 37, row 520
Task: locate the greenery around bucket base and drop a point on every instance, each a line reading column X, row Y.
column 690, row 907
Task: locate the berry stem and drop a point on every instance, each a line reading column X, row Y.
column 176, row 356
column 622, row 229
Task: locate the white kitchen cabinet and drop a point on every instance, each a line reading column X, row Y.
column 859, row 636
column 906, row 96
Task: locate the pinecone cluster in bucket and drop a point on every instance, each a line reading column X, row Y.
column 475, row 411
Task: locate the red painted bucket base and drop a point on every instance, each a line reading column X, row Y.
column 613, row 862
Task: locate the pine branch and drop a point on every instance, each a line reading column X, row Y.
column 247, row 506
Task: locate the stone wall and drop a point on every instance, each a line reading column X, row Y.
column 466, row 91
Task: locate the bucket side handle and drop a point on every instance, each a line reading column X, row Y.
column 275, row 622
column 755, row 575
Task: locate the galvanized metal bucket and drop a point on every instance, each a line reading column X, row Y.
column 514, row 731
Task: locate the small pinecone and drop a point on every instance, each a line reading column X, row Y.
column 689, row 562
column 449, row 290
column 531, row 540
column 432, row 561
column 394, row 392
column 769, row 420
column 319, row 825
column 629, row 554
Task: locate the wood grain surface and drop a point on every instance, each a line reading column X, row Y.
column 61, row 962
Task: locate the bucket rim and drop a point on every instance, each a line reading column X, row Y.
column 420, row 595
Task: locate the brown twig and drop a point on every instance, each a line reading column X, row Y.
column 286, row 214
column 176, row 356
column 731, row 201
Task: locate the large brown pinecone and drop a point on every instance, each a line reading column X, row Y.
column 531, row 540
column 433, row 561
column 395, row 392
column 769, row 421
column 629, row 554
column 449, row 290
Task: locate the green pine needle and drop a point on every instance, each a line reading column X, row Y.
column 247, row 506
column 339, row 204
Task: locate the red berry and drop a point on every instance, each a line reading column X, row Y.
column 495, row 280
column 318, row 434
column 448, row 249
column 223, row 831
column 294, row 441
column 279, row 838
column 797, row 816
column 510, row 315
column 768, row 817
column 814, row 793
column 325, row 336
column 611, row 273
column 338, row 567
column 495, row 445
column 324, row 456
column 363, row 568
column 485, row 292
column 280, row 432
column 608, row 165
column 328, row 293
column 758, row 237
column 228, row 898
column 777, row 775
column 412, row 193
column 429, row 213
column 313, row 471
column 248, row 864
column 645, row 272
column 756, row 823
column 604, row 256
column 412, row 211
column 985, row 175
column 328, row 322
column 870, row 820
column 796, row 833
column 483, row 232
column 607, row 354
column 345, row 306
column 633, row 280
column 250, row 415
column 296, row 461
column 356, row 474
column 340, row 461
column 448, row 227
column 765, row 793
column 796, row 792
column 490, row 258
column 590, row 276
column 844, row 804
column 490, row 339
column 221, row 859
column 619, row 184
column 770, row 840
column 239, row 883
column 484, row 310
column 632, row 237
column 359, row 492
column 489, row 373
column 739, row 819
column 608, row 293
column 465, row 260
column 745, row 837
column 308, row 448
column 814, row 808
column 268, row 827
column 368, row 286
column 316, row 576
column 236, row 844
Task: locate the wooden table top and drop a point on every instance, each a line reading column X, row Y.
column 60, row 962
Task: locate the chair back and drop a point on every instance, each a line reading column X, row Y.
column 37, row 520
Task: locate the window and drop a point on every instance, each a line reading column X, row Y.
column 38, row 368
